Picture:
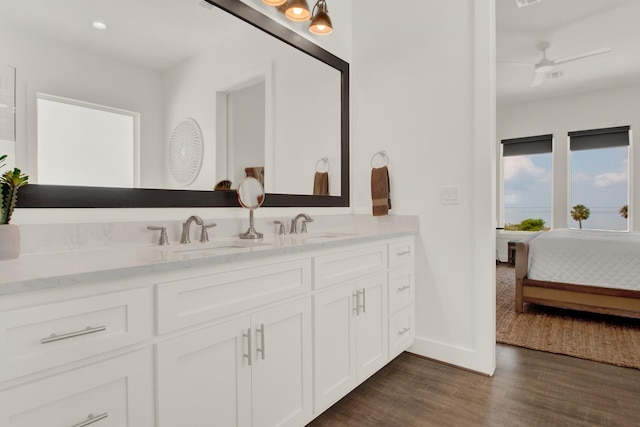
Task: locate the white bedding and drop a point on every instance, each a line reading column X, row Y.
column 586, row 257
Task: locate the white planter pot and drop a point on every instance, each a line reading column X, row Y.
column 9, row 241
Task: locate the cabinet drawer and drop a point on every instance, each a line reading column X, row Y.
column 401, row 331
column 349, row 264
column 187, row 302
column 401, row 287
column 117, row 392
column 401, row 252
column 44, row 336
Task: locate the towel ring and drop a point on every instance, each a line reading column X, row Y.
column 382, row 154
column 324, row 160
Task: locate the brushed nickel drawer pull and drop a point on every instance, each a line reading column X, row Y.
column 364, row 303
column 403, row 253
column 404, row 288
column 404, row 331
column 89, row 330
column 248, row 337
column 91, row 419
column 261, row 349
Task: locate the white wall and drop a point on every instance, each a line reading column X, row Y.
column 560, row 115
column 422, row 91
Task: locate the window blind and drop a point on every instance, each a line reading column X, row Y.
column 599, row 138
column 528, row 145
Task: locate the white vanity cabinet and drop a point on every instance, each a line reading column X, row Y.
column 250, row 371
column 264, row 341
column 401, row 296
column 350, row 320
column 248, row 363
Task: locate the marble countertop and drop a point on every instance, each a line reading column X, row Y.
column 45, row 270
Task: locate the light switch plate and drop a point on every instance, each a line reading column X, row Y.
column 450, row 195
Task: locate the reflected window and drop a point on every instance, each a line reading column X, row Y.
column 86, row 144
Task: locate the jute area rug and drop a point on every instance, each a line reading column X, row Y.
column 609, row 339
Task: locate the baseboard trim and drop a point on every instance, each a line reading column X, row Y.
column 451, row 355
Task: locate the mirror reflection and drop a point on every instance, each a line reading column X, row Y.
column 114, row 97
column 250, row 193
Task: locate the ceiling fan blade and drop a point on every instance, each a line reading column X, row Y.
column 537, row 79
column 583, row 55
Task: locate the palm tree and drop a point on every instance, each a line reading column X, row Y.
column 624, row 211
column 580, row 213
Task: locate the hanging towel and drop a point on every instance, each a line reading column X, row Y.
column 256, row 172
column 321, row 184
column 380, row 191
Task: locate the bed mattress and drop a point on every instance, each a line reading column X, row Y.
column 586, row 257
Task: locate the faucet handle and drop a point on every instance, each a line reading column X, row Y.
column 304, row 225
column 281, row 229
column 204, row 235
column 164, row 240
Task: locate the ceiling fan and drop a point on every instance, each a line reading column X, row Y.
column 546, row 65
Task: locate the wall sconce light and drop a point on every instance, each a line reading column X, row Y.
column 274, row 2
column 320, row 21
column 298, row 11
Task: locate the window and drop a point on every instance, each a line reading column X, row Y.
column 87, row 143
column 526, row 176
column 600, row 178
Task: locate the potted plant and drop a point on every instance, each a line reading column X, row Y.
column 10, row 183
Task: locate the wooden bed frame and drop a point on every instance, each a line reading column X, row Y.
column 619, row 302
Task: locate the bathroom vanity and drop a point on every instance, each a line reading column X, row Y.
column 249, row 333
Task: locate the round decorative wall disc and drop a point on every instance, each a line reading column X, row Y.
column 185, row 152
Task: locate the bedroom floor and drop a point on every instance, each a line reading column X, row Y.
column 529, row 388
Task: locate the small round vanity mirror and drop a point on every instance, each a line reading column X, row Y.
column 251, row 196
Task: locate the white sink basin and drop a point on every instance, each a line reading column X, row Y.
column 219, row 247
column 325, row 235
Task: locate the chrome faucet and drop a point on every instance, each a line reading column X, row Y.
column 294, row 223
column 187, row 225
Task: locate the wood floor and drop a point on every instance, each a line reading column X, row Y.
column 529, row 388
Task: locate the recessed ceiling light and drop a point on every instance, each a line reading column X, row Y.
column 99, row 25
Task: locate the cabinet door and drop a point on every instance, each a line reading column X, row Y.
column 117, row 392
column 335, row 345
column 372, row 337
column 281, row 370
column 204, row 379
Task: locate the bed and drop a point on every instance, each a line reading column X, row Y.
column 595, row 271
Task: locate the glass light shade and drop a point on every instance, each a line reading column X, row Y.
column 274, row 2
column 297, row 10
column 321, row 23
